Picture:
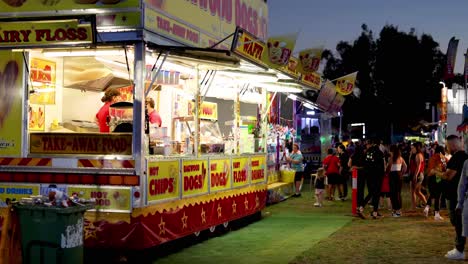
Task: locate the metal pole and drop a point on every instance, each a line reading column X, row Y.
column 339, row 132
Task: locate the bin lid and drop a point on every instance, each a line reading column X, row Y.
column 57, row 210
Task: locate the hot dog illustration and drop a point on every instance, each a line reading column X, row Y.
column 310, row 59
column 278, row 53
column 7, row 93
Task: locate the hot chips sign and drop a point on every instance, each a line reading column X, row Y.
column 163, row 180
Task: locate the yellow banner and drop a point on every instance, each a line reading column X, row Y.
column 240, row 171
column 107, row 198
column 220, row 174
column 194, row 177
column 11, row 106
column 163, row 180
column 311, row 80
column 208, row 110
column 33, row 33
column 9, row 6
column 8, row 192
column 205, row 19
column 309, row 60
column 292, row 68
column 279, row 50
column 345, row 84
column 258, row 168
column 74, row 143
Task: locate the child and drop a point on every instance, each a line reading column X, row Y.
column 319, row 185
column 385, row 192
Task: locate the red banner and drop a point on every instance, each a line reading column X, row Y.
column 451, row 56
column 150, row 230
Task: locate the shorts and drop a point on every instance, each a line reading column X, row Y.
column 419, row 178
column 334, row 178
column 298, row 176
column 319, row 191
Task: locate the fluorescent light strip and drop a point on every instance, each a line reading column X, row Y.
column 83, row 52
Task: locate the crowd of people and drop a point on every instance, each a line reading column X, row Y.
column 437, row 175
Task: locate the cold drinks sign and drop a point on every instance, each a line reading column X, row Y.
column 39, row 33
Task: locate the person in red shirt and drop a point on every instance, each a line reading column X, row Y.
column 331, row 164
column 154, row 117
column 102, row 117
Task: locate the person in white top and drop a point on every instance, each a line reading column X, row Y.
column 396, row 167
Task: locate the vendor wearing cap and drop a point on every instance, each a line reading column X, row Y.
column 154, row 117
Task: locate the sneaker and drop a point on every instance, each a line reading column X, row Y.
column 360, row 212
column 426, row 211
column 437, row 217
column 455, row 254
column 396, row 214
column 316, row 204
column 376, row 215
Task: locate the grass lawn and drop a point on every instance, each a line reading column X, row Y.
column 412, row 238
column 294, row 231
column 286, row 230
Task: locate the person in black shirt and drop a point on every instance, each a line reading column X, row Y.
column 452, row 177
column 344, row 171
column 374, row 169
column 356, row 162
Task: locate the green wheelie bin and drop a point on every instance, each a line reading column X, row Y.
column 52, row 234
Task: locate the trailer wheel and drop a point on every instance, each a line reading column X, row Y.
column 197, row 234
column 212, row 229
column 225, row 224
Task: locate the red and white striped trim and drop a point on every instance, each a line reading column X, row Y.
column 106, row 164
column 34, row 162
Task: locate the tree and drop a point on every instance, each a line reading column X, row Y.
column 397, row 74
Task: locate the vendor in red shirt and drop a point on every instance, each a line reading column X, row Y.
column 154, row 117
column 102, row 116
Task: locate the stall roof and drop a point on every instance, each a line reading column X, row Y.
column 203, row 56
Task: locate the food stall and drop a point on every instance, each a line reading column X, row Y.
column 151, row 184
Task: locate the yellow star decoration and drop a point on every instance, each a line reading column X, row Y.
column 184, row 221
column 90, row 231
column 234, row 207
column 219, row 210
column 203, row 216
column 257, row 201
column 162, row 227
column 246, row 203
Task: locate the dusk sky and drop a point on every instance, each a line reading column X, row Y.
column 328, row 22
